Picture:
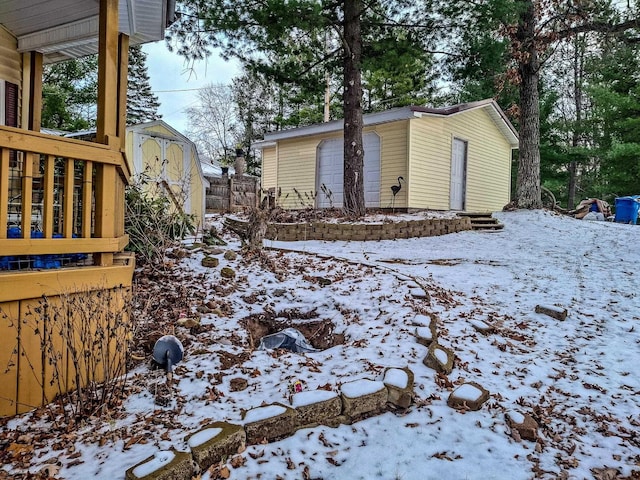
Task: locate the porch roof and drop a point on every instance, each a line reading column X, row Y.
column 64, row 29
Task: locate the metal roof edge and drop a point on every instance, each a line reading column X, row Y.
column 395, row 114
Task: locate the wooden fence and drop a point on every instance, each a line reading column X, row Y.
column 232, row 193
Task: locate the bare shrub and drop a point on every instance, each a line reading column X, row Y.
column 84, row 340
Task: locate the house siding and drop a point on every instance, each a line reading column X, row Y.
column 297, row 170
column 269, row 168
column 393, row 160
column 429, row 165
column 418, row 149
column 10, row 59
column 488, row 183
column 297, row 160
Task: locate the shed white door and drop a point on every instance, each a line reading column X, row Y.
column 330, row 183
column 458, row 174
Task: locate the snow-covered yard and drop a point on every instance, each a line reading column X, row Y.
column 579, row 377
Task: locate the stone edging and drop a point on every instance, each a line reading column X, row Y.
column 431, row 227
column 218, row 441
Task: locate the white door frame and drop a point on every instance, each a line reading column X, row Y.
column 458, row 175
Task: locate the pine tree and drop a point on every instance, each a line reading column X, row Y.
column 69, row 94
column 142, row 104
column 288, row 41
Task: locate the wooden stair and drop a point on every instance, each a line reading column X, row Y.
column 482, row 221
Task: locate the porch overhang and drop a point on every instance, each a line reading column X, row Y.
column 66, row 29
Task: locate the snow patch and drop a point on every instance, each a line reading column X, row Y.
column 360, row 388
column 441, row 356
column 203, row 436
column 262, row 413
column 424, row 332
column 468, row 392
column 303, row 399
column 396, row 378
column 159, row 460
column 516, row 417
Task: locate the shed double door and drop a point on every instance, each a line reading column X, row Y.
column 330, row 172
column 457, row 191
column 164, row 160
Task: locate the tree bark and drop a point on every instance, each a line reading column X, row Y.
column 528, row 193
column 354, row 204
column 578, row 70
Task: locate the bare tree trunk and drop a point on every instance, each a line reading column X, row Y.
column 578, row 70
column 528, row 193
column 353, row 148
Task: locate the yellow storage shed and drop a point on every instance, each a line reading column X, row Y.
column 169, row 161
column 453, row 158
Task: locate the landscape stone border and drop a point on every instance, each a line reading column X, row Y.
column 430, row 227
column 360, row 399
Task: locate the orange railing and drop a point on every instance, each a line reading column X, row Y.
column 68, row 191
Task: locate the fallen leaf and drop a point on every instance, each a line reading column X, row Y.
column 49, row 470
column 238, row 461
column 255, row 456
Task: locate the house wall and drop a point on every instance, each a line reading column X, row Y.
column 429, row 165
column 394, row 148
column 488, row 161
column 488, row 185
column 269, row 168
column 296, row 165
column 10, row 59
column 297, row 170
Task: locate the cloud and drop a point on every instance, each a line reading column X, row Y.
column 176, row 81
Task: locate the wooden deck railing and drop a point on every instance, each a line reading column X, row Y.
column 76, row 188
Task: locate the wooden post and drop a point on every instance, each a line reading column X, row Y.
column 49, row 163
column 87, row 197
column 4, row 191
column 27, row 194
column 105, row 209
column 123, row 75
column 35, row 92
column 107, row 72
column 67, row 199
column 107, row 123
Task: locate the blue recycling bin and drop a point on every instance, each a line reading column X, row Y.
column 627, row 209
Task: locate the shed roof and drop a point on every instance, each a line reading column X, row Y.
column 401, row 113
column 65, row 29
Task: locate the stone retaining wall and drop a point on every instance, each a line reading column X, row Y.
column 291, row 232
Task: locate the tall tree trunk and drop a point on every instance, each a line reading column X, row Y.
column 528, row 193
column 353, row 149
column 578, row 70
column 571, row 194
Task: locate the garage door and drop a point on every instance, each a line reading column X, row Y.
column 330, row 186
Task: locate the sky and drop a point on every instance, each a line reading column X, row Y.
column 578, row 377
column 176, row 82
